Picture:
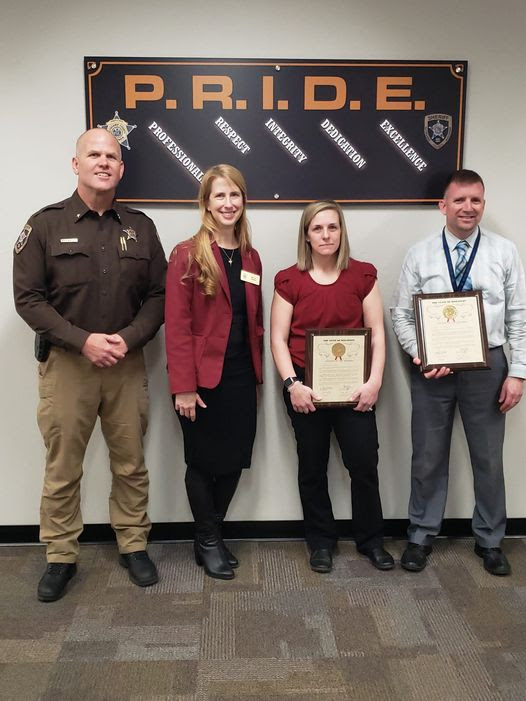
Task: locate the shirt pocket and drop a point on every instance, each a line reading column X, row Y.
column 71, row 264
column 135, row 266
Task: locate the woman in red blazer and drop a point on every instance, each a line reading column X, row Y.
column 214, row 330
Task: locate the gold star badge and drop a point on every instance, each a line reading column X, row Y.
column 130, row 234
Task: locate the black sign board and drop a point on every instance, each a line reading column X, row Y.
column 299, row 130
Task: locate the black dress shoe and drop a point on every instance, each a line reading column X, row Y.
column 52, row 585
column 321, row 560
column 141, row 569
column 212, row 556
column 414, row 558
column 379, row 557
column 495, row 562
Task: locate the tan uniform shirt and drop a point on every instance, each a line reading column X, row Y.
column 77, row 273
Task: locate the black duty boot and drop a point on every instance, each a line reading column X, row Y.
column 141, row 570
column 231, row 558
column 210, row 554
column 53, row 583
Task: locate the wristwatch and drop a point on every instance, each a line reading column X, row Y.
column 289, row 382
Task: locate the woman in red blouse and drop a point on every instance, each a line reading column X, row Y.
column 213, row 331
column 328, row 289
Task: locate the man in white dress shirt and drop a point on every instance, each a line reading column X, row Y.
column 460, row 258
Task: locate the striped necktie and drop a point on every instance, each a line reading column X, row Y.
column 462, row 248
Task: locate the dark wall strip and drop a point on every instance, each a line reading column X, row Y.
column 394, row 528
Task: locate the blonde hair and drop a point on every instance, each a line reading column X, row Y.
column 202, row 252
column 304, row 247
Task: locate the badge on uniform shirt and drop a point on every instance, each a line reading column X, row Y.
column 253, row 278
column 130, row 234
column 23, row 238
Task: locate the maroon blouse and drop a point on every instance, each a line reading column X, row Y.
column 338, row 305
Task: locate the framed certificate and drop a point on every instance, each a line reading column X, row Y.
column 337, row 362
column 451, row 331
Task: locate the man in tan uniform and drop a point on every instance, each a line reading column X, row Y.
column 89, row 279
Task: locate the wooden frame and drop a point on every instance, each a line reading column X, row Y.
column 451, row 331
column 337, row 362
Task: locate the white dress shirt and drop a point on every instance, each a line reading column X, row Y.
column 497, row 271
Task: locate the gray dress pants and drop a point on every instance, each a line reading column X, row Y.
column 476, row 393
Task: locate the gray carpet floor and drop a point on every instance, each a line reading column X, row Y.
column 277, row 632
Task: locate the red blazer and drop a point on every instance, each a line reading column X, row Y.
column 197, row 326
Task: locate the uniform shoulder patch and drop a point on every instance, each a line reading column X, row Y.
column 23, row 238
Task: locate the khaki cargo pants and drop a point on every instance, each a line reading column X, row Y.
column 73, row 392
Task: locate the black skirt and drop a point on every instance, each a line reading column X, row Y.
column 220, row 439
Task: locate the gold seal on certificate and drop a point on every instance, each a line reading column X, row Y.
column 451, row 330
column 338, row 361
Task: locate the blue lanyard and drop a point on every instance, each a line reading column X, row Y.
column 467, row 269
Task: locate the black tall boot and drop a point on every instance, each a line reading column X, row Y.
column 231, row 558
column 210, row 554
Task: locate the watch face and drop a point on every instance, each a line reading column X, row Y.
column 290, row 381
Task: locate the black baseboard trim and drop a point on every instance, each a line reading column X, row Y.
column 249, row 530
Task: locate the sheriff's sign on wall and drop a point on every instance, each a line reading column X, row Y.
column 355, row 131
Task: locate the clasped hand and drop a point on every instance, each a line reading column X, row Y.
column 104, row 350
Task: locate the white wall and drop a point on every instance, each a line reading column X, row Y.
column 42, row 43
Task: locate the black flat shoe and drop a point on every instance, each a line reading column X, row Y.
column 53, row 582
column 495, row 562
column 210, row 555
column 379, row 557
column 321, row 560
column 141, row 569
column 414, row 558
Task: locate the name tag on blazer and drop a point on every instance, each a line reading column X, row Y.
column 250, row 277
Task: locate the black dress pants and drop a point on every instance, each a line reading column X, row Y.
column 358, row 440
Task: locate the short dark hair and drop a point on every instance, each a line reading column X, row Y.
column 463, row 177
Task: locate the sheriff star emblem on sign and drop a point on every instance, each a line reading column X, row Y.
column 119, row 128
column 437, row 129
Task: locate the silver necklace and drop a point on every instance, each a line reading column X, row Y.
column 229, row 258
